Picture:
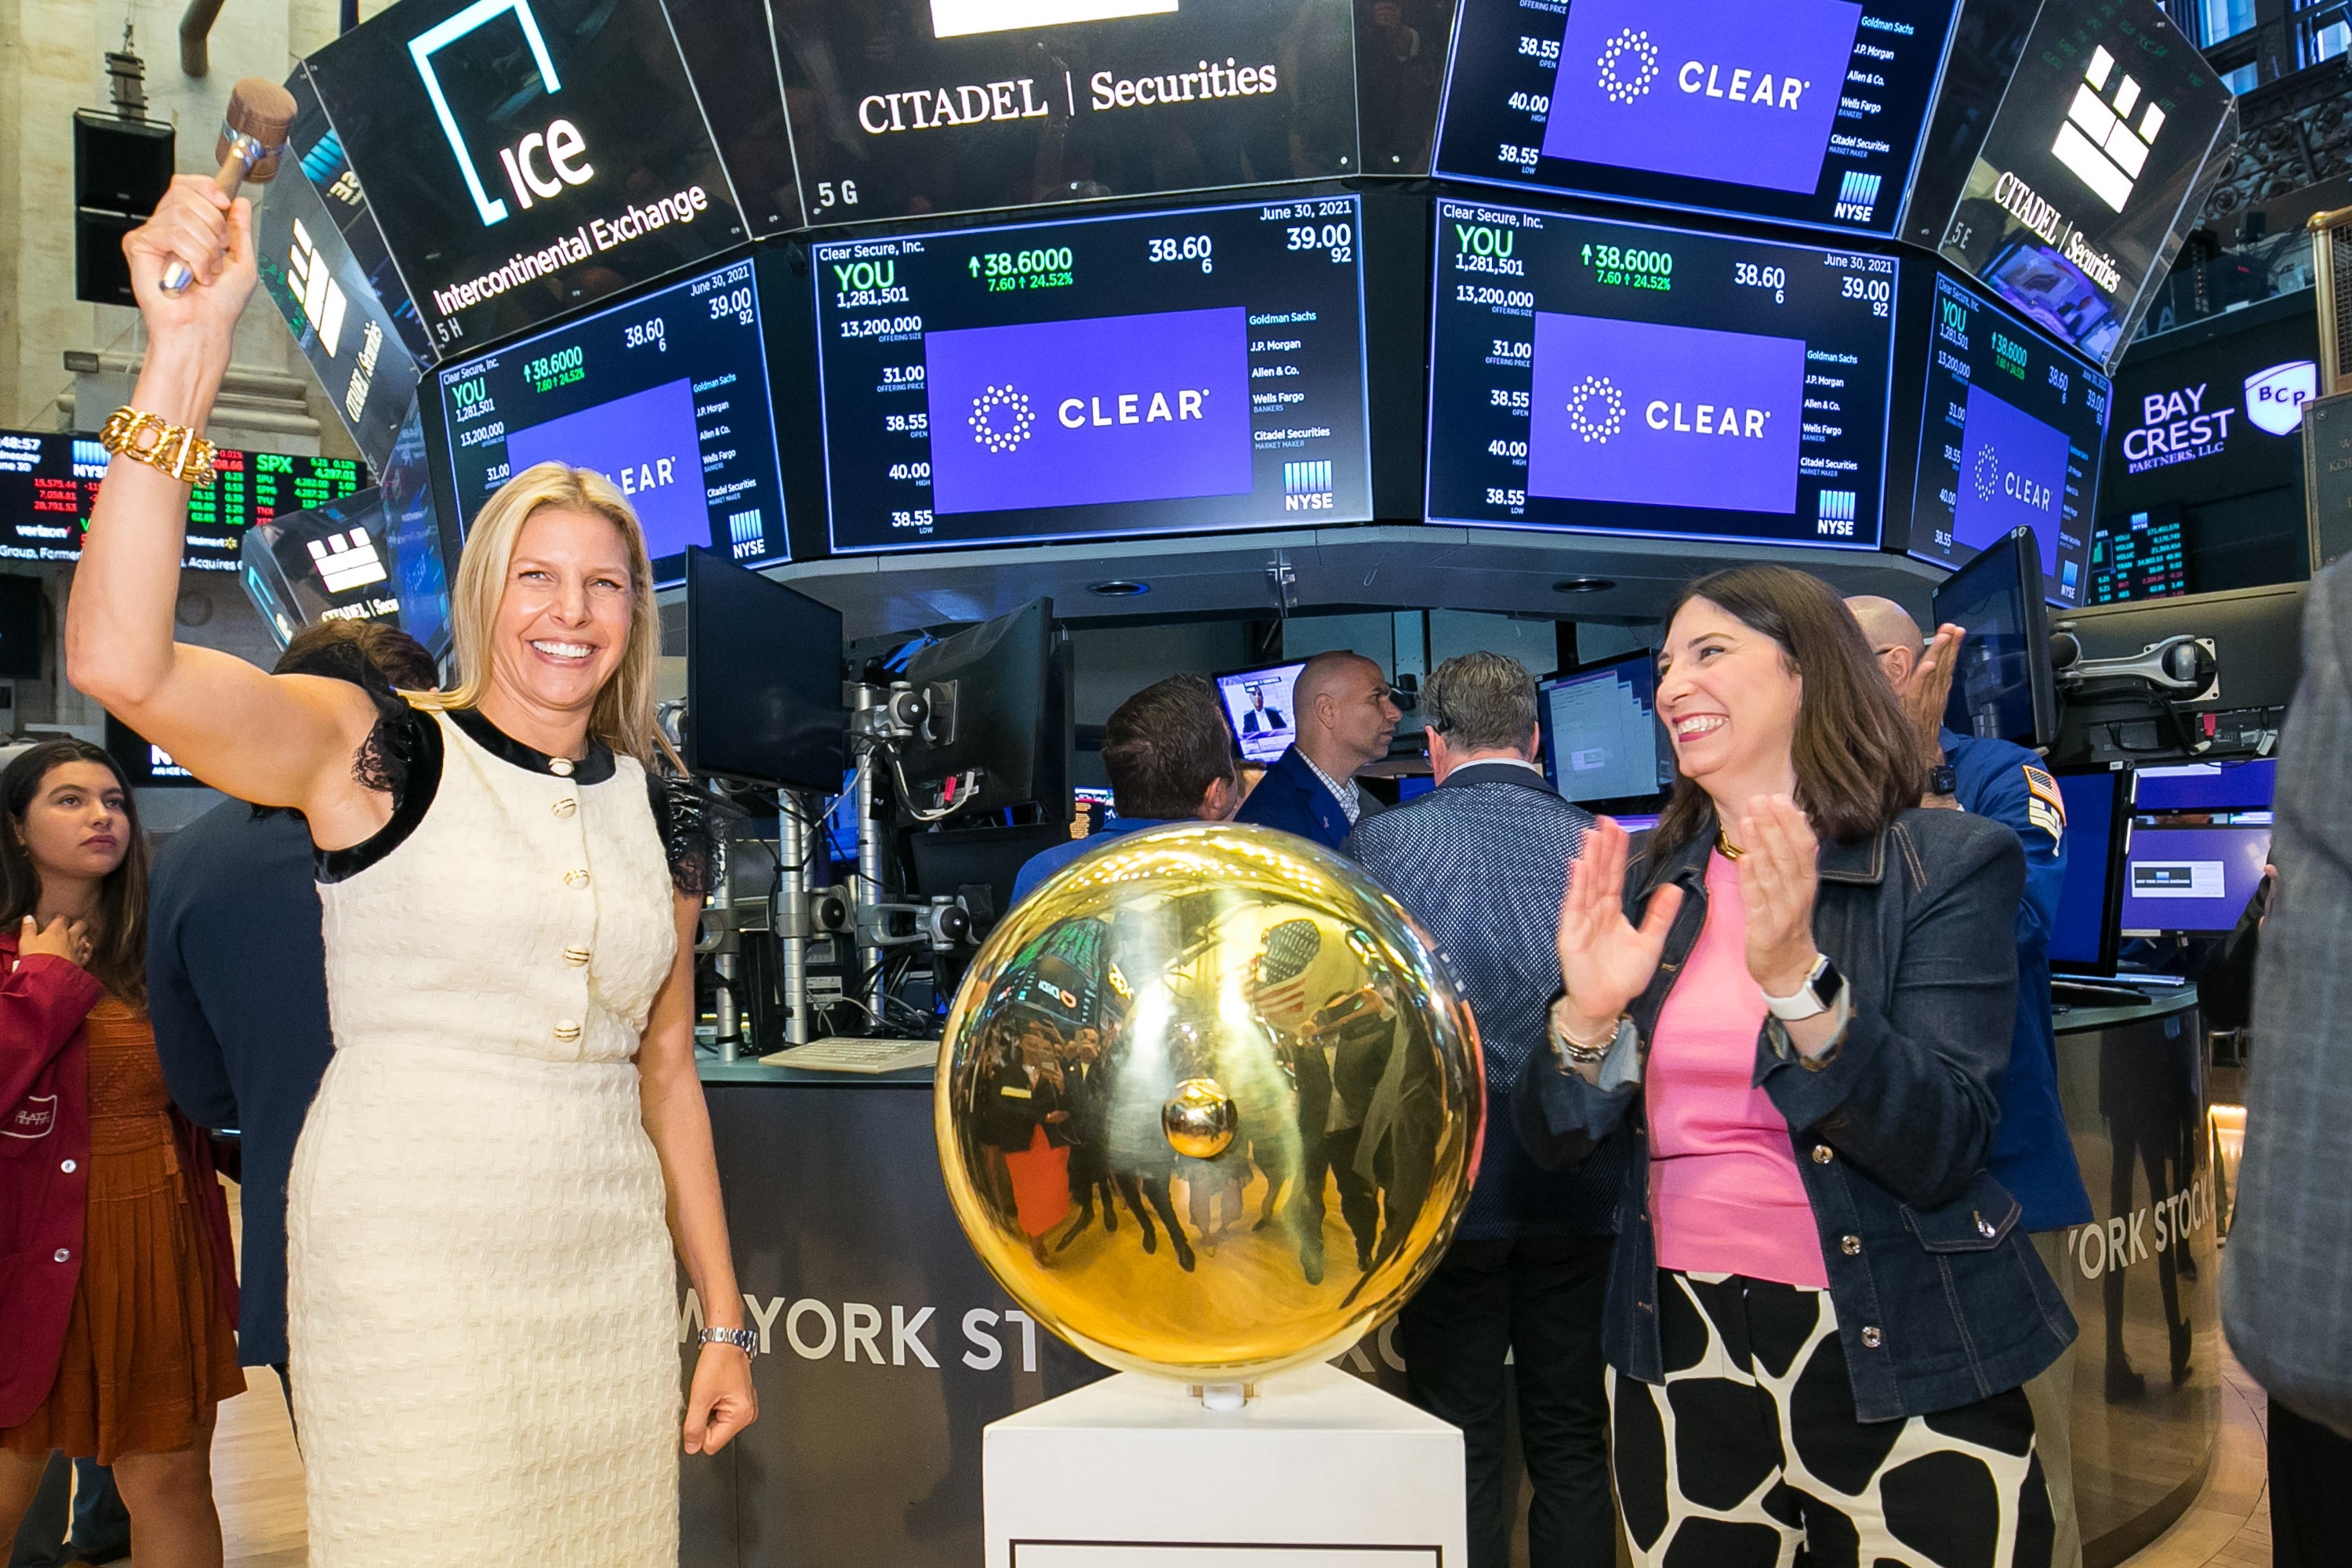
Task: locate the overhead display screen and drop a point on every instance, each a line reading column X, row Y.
column 1169, row 372
column 2010, row 434
column 1804, row 111
column 1618, row 378
column 937, row 106
column 523, row 156
column 2098, row 152
column 666, row 396
column 49, row 479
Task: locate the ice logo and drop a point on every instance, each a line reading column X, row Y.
column 1018, row 420
column 1581, row 416
column 1621, row 87
column 2274, row 397
column 2098, row 139
column 1987, row 472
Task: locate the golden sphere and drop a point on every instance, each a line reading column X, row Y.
column 1198, row 1118
column 1208, row 1103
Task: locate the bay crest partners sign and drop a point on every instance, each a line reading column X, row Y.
column 2110, row 134
column 524, row 156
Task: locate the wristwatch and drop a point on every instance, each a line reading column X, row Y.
column 1819, row 993
column 1943, row 779
column 743, row 1340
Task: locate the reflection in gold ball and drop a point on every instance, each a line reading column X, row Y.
column 1207, row 1104
column 1198, row 1118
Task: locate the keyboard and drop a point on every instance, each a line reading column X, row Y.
column 858, row 1055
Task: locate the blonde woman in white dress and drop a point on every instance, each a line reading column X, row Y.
column 483, row 1316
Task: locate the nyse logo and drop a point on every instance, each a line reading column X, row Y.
column 1857, row 197
column 560, row 148
column 315, row 291
column 2098, row 139
column 1992, row 479
column 347, row 561
column 2274, row 397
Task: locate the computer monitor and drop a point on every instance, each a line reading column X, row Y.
column 763, row 674
column 2083, row 932
column 2191, row 880
column 2003, row 689
column 1259, row 706
column 2205, row 786
column 997, row 731
column 1600, row 732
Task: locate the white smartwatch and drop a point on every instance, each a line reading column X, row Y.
column 1823, row 990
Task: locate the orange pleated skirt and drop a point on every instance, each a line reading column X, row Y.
column 149, row 1349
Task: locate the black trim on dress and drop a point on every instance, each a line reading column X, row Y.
column 594, row 769
column 420, row 739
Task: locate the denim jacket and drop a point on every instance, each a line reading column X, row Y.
column 1940, row 1301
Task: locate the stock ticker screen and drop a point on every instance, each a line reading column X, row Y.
column 2011, row 433
column 49, row 482
column 1617, row 378
column 1192, row 370
column 1805, row 110
column 666, row 396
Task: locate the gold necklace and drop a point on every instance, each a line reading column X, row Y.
column 1723, row 841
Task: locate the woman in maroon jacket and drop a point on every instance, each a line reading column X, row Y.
column 117, row 1285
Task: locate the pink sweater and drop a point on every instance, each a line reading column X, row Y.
column 1725, row 1195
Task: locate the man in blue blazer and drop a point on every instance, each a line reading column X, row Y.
column 236, row 978
column 1482, row 862
column 1346, row 717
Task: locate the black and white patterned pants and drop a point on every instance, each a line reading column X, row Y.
column 1750, row 1455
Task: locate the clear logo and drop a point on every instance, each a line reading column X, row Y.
column 1629, row 64
column 2099, row 139
column 1596, row 409
column 1002, row 418
column 1992, row 479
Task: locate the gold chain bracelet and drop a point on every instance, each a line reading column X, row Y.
column 175, row 449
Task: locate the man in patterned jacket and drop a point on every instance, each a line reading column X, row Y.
column 1482, row 862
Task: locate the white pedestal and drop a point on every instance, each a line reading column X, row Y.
column 1321, row 1470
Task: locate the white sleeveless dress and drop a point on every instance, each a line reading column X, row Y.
column 482, row 1301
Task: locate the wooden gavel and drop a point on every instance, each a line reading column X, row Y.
column 252, row 140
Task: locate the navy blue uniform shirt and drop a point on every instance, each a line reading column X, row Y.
column 2031, row 1155
column 236, row 986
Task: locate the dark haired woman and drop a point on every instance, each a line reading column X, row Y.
column 119, row 1295
column 1795, row 995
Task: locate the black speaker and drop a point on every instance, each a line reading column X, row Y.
column 120, row 165
column 102, row 272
